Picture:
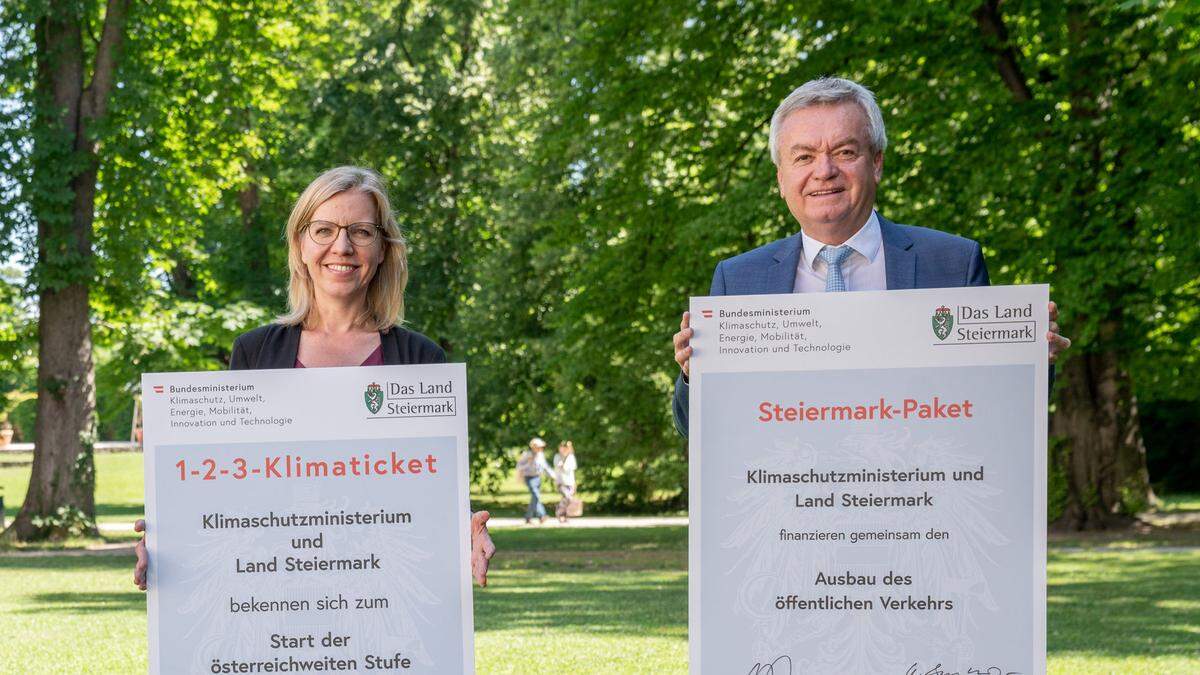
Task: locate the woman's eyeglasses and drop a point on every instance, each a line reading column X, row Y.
column 361, row 234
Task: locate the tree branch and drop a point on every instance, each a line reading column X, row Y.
column 95, row 97
column 991, row 24
column 741, row 148
column 401, row 14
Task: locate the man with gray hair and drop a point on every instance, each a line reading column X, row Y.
column 827, row 140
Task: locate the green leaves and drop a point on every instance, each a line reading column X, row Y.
column 569, row 173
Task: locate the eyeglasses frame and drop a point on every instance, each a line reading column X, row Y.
column 378, row 232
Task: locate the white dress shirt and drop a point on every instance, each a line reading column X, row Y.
column 863, row 270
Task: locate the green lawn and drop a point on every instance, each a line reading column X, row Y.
column 1183, row 501
column 1134, row 612
column 604, row 601
column 119, row 491
column 592, row 600
column 610, row 601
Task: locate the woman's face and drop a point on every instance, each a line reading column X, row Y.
column 340, row 270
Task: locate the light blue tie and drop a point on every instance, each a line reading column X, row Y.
column 834, row 256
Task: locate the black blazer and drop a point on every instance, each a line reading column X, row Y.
column 276, row 346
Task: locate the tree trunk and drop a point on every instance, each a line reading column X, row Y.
column 256, row 255
column 1103, row 459
column 61, row 495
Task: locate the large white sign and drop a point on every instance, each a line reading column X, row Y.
column 308, row 520
column 868, row 482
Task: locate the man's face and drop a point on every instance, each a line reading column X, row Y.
column 827, row 172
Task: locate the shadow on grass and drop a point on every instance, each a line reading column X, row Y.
column 629, row 602
column 74, row 571
column 1124, row 604
column 124, row 511
column 535, row 538
column 614, row 581
column 91, row 602
column 63, row 563
column 1180, row 502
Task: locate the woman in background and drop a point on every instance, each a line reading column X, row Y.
column 564, row 475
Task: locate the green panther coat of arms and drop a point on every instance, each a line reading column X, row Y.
column 373, row 397
column 943, row 321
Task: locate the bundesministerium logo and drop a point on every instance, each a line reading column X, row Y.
column 943, row 321
column 373, row 397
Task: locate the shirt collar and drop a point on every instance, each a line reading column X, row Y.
column 866, row 242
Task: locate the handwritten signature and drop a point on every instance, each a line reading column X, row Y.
column 780, row 666
column 914, row 669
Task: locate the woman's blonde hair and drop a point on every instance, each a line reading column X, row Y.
column 385, row 291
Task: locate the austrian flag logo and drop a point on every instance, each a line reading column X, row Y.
column 943, row 321
column 373, row 397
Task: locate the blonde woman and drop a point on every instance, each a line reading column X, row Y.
column 564, row 476
column 348, row 265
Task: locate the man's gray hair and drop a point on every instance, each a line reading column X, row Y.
column 826, row 91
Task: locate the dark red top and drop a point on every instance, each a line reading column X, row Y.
column 375, row 359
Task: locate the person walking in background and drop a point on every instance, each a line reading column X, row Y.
column 530, row 467
column 564, row 475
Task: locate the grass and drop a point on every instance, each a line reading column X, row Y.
column 71, row 615
column 595, row 600
column 119, row 485
column 584, row 601
column 1132, row 612
column 512, row 498
column 610, row 601
column 1183, row 501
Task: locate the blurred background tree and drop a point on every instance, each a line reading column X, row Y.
column 569, row 173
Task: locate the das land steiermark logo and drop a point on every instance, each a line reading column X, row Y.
column 943, row 321
column 373, row 397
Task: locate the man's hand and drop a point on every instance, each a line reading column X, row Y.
column 143, row 561
column 482, row 548
column 1058, row 343
column 683, row 349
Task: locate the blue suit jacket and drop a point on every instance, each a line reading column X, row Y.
column 914, row 257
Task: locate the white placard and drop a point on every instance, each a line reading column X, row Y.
column 868, row 482
column 308, row 520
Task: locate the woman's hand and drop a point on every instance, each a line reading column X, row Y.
column 143, row 561
column 482, row 548
column 1058, row 343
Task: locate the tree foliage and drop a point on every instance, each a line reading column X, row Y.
column 1060, row 135
column 567, row 174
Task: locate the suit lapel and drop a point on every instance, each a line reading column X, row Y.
column 781, row 276
column 391, row 346
column 899, row 258
column 286, row 356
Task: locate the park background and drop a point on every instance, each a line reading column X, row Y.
column 567, row 174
